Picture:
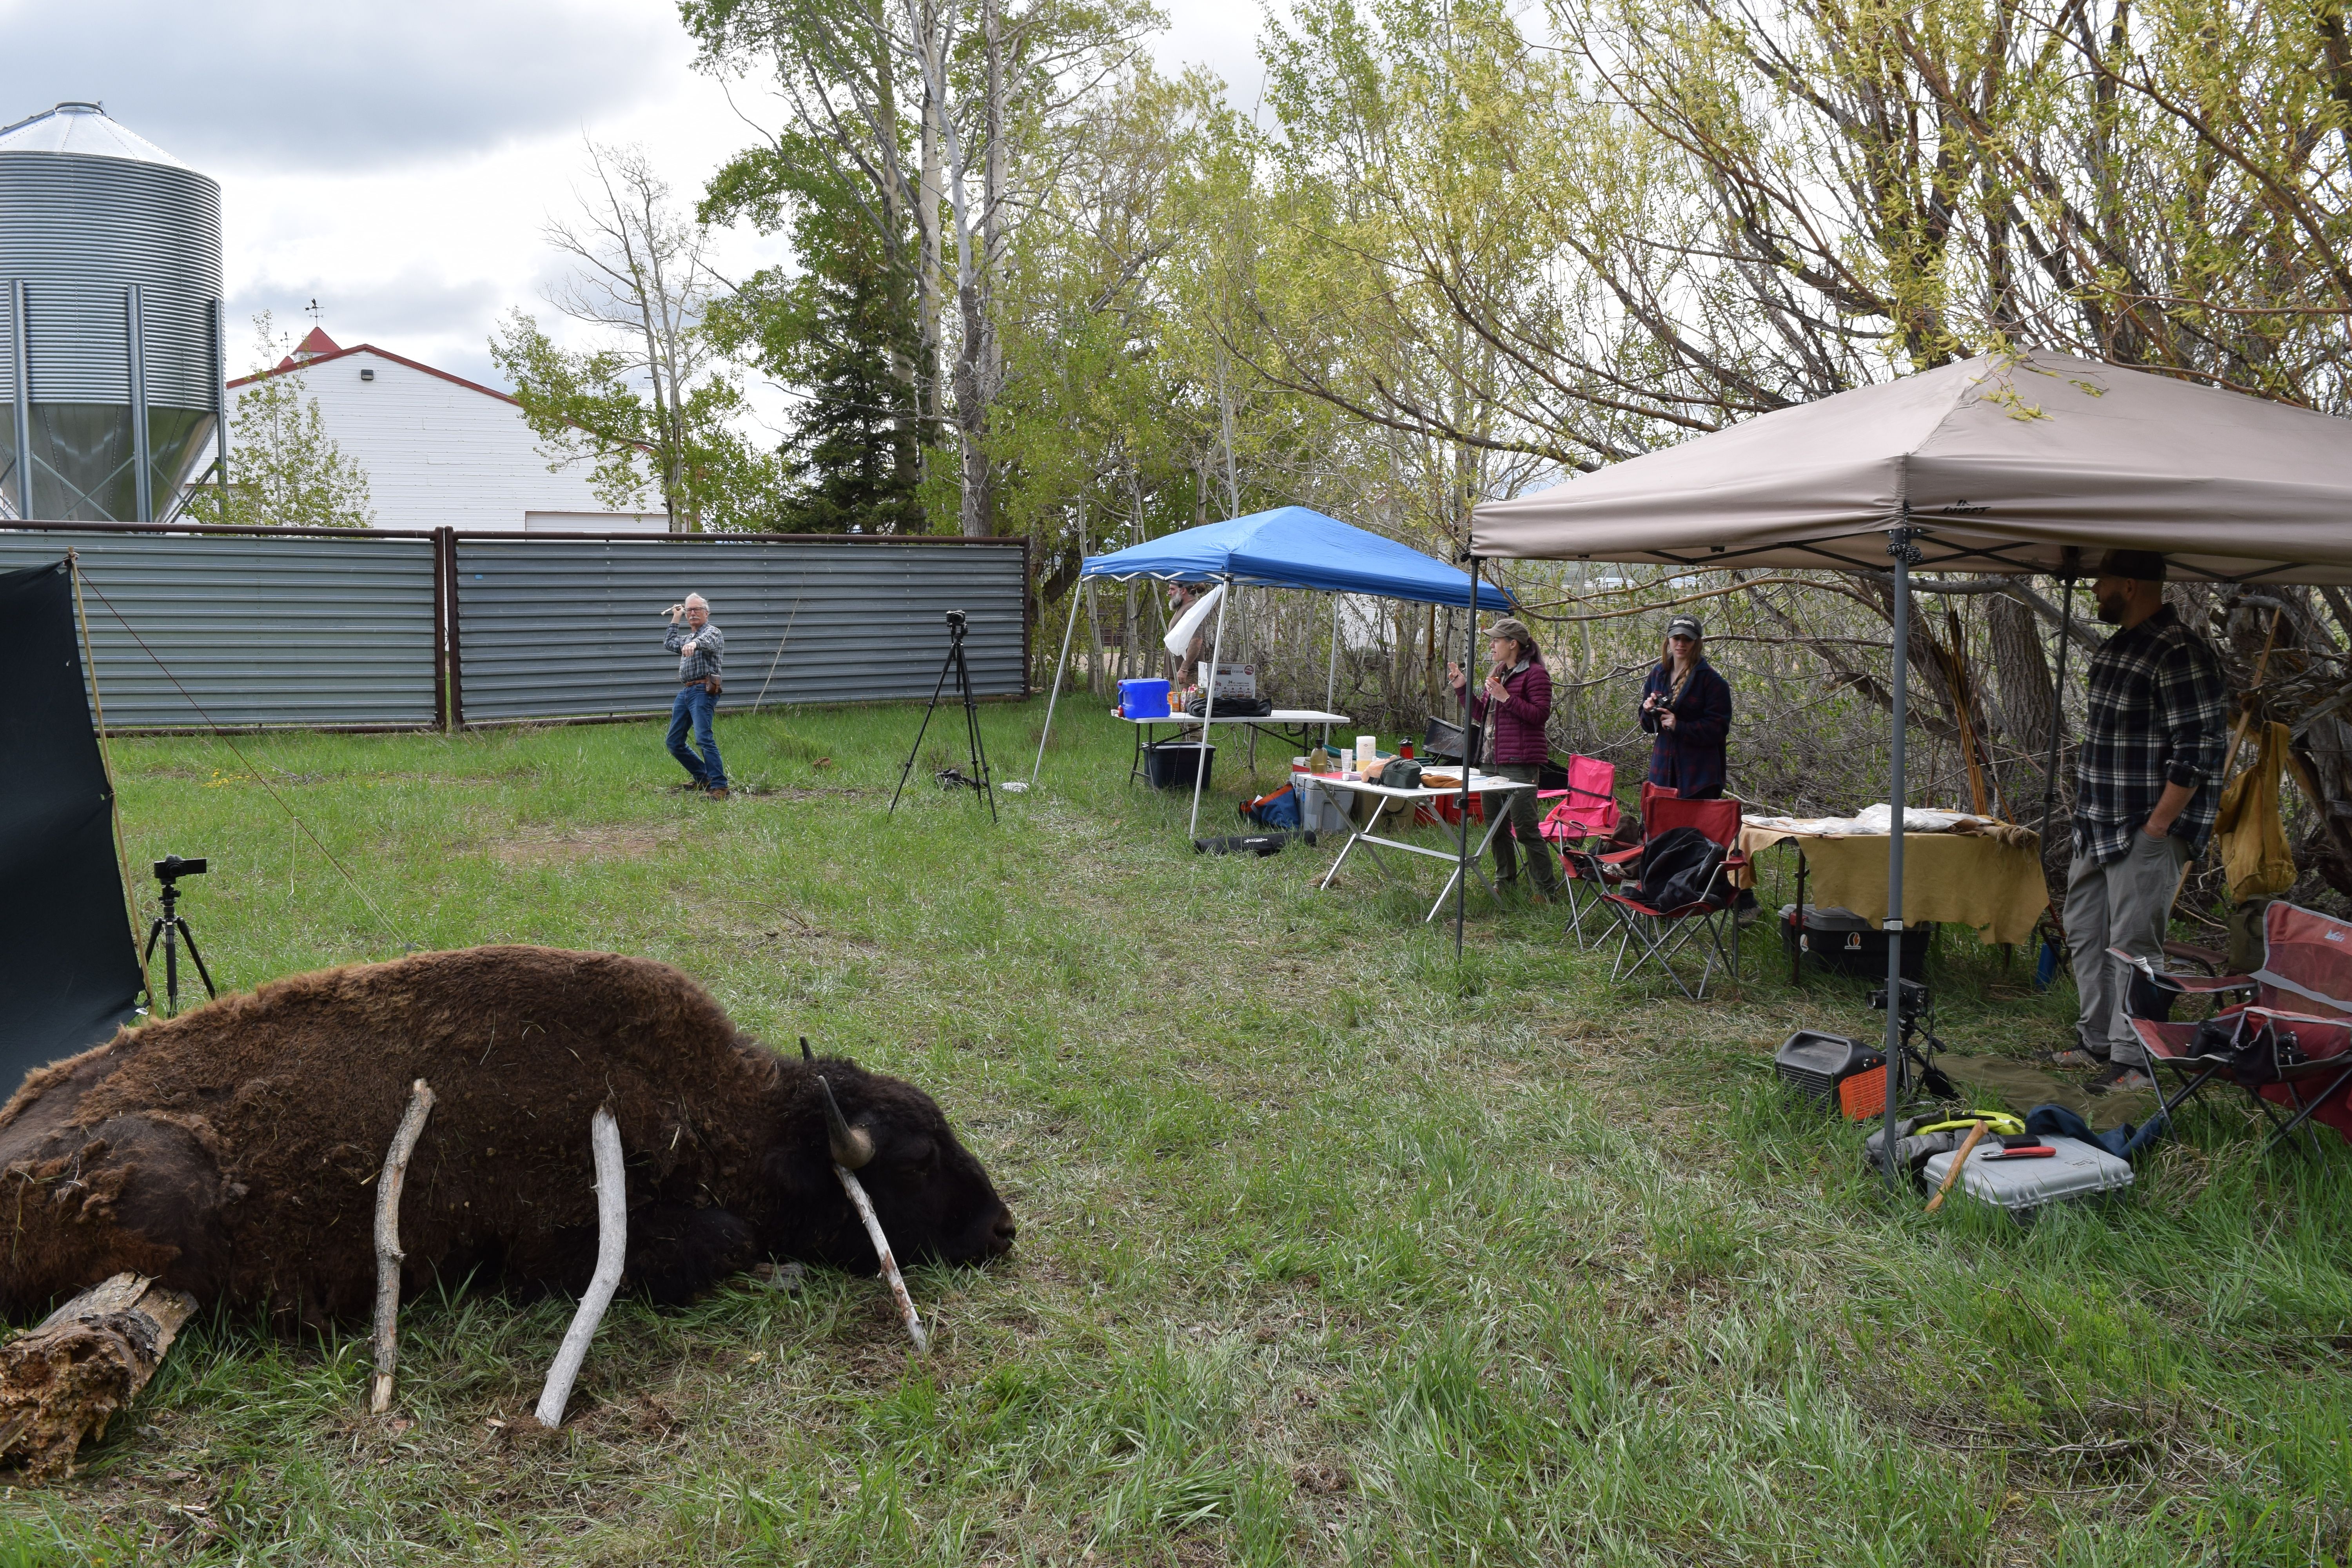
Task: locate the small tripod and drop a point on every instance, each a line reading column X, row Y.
column 948, row 777
column 174, row 929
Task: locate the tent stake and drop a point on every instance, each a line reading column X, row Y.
column 1208, row 710
column 1907, row 555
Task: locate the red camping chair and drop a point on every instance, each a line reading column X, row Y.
column 2304, row 987
column 1654, row 933
column 1596, row 871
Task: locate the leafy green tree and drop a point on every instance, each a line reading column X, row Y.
column 284, row 470
column 648, row 406
column 837, row 331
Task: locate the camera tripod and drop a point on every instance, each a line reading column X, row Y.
column 171, row 927
column 949, row 778
column 1915, row 1014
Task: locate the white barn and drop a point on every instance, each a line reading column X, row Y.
column 440, row 451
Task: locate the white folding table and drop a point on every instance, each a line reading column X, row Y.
column 1480, row 783
column 1286, row 722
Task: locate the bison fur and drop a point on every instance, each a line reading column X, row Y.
column 232, row 1153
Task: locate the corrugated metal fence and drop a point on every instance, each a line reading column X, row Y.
column 311, row 630
column 557, row 626
column 365, row 629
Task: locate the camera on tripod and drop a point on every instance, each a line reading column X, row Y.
column 1912, row 1002
column 957, row 664
column 171, row 928
column 172, row 868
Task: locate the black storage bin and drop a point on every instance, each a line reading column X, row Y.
column 1845, row 944
column 1172, row 765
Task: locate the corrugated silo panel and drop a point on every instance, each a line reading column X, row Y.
column 554, row 627
column 299, row 630
column 81, row 230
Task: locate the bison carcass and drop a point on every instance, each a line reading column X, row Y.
column 232, row 1153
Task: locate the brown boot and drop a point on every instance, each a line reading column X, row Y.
column 720, row 792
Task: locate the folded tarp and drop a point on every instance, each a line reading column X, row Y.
column 1294, row 547
column 1999, row 462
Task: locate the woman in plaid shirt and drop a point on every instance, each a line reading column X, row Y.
column 2144, row 800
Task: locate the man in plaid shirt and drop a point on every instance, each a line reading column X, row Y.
column 2146, row 796
column 699, row 646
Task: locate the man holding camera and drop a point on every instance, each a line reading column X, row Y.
column 699, row 646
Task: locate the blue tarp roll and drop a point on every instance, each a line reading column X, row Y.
column 1294, row 547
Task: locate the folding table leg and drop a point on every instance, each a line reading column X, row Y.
column 1478, row 863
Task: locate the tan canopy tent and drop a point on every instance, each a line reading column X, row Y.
column 2033, row 462
column 1996, row 464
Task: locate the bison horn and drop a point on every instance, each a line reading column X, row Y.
column 852, row 1147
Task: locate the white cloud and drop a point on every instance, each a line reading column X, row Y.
column 398, row 162
column 277, row 85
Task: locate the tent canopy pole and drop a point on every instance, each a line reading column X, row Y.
column 1062, row 664
column 2058, row 703
column 1462, row 822
column 1907, row 555
column 1331, row 677
column 1209, row 709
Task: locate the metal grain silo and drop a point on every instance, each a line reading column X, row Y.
column 110, row 343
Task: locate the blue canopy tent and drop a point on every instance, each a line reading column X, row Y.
column 1290, row 547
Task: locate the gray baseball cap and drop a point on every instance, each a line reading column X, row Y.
column 1686, row 626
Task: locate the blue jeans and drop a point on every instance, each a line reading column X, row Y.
column 694, row 706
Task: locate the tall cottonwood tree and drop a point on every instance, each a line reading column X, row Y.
column 649, row 403
column 930, row 107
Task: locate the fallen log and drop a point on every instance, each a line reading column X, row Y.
column 388, row 1256
column 612, row 1250
column 61, row 1382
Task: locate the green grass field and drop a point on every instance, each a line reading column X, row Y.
column 1331, row 1251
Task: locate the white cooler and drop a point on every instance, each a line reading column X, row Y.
column 1321, row 810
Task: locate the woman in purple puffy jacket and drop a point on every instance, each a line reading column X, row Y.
column 1515, row 703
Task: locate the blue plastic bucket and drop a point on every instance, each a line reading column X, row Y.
column 1143, row 699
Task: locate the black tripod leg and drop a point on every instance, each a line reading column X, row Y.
column 971, row 731
column 946, row 665
column 172, row 967
column 198, row 959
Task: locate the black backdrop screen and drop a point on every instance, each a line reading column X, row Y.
column 69, row 974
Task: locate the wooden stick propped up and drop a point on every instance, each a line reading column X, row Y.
column 62, row 1382
column 612, row 1249
column 865, row 1206
column 388, row 1254
column 1953, row 1174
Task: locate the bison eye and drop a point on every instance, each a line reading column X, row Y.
column 924, row 1158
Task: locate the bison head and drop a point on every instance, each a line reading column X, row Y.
column 933, row 1197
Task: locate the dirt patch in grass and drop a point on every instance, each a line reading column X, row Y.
column 573, row 845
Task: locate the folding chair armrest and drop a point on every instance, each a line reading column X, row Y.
column 2182, row 984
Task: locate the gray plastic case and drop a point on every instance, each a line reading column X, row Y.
column 2078, row 1170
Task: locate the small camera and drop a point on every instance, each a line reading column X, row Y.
column 956, row 620
column 171, row 868
column 1912, row 1002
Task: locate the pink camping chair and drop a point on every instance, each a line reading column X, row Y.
column 1586, row 809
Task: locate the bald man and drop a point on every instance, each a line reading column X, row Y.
column 699, row 646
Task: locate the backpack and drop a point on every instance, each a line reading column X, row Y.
column 1229, row 706
column 2256, row 1055
column 1280, row 809
column 1680, row 866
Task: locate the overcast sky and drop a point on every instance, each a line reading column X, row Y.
column 396, row 163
